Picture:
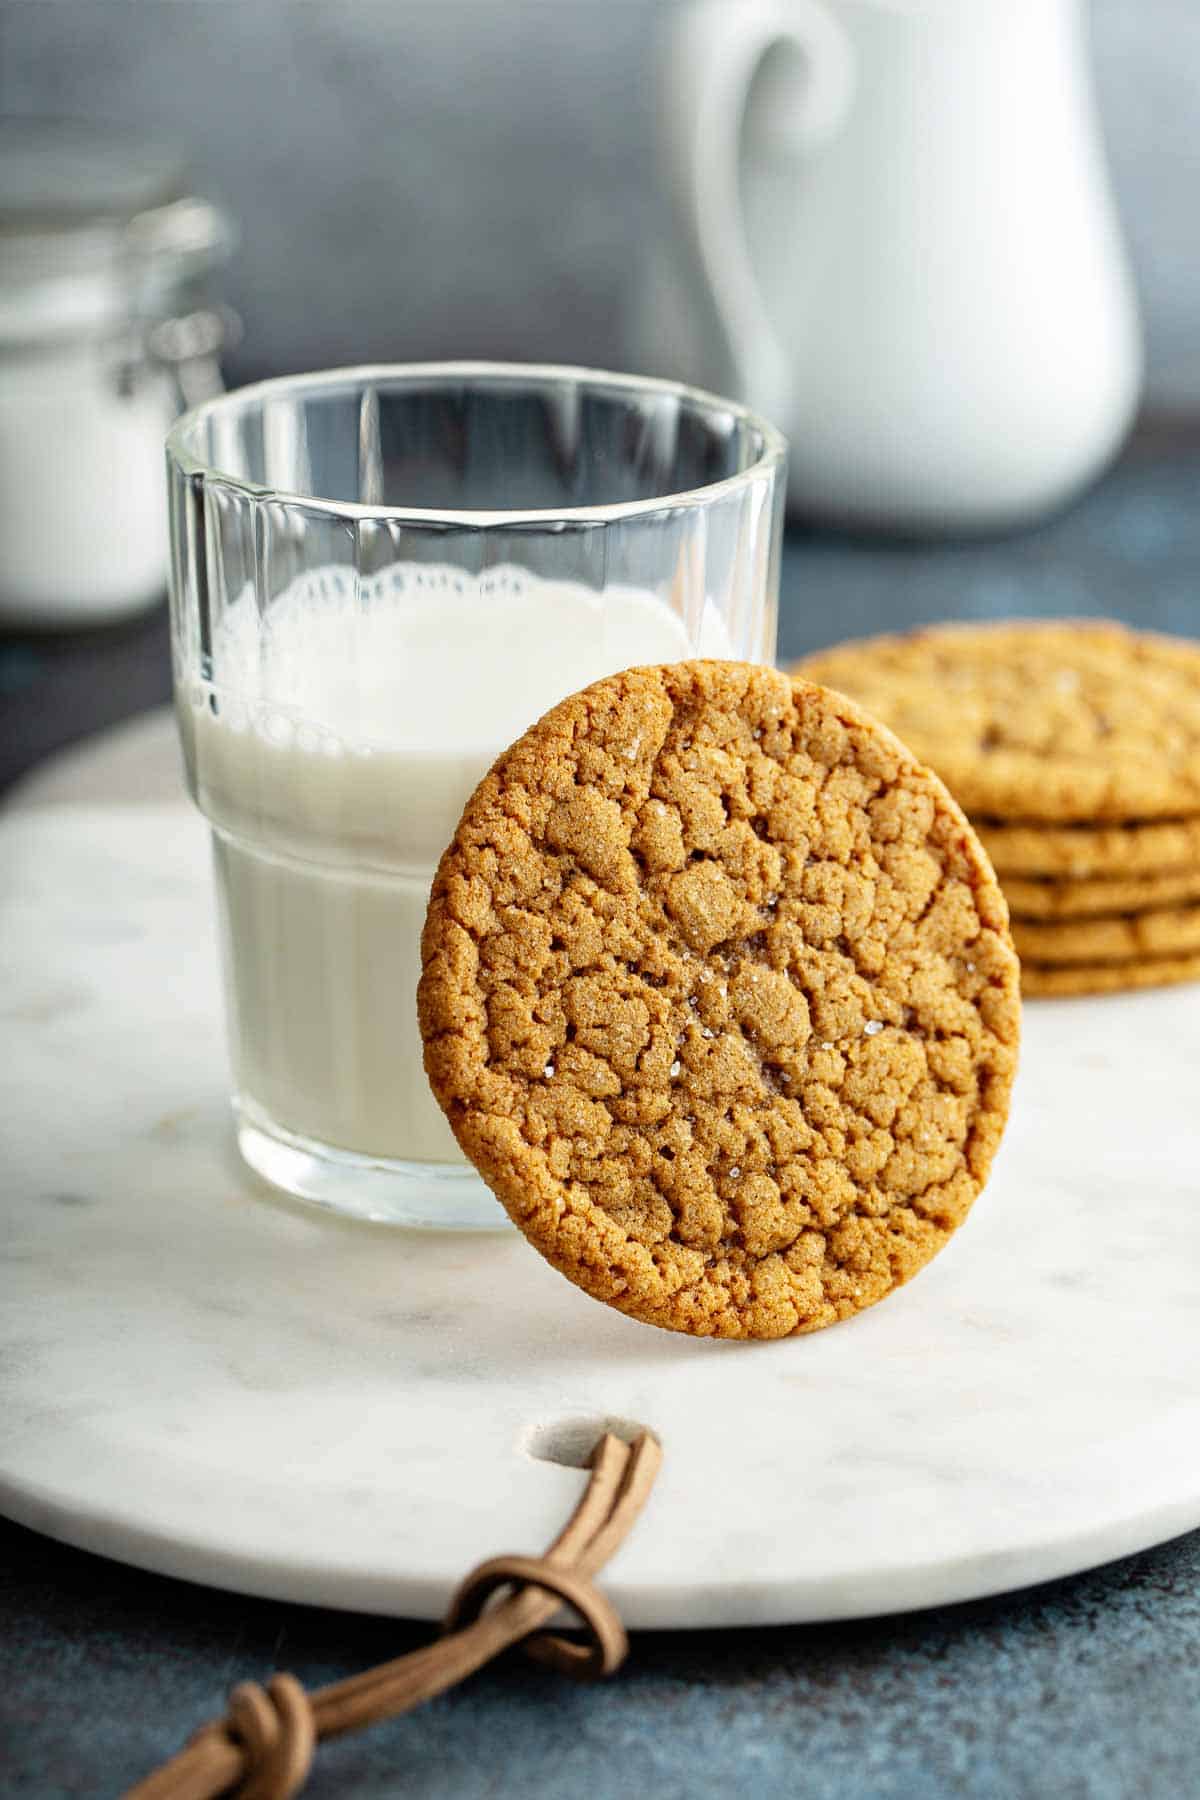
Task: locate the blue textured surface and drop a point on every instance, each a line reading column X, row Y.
column 1086, row 1690
column 1129, row 549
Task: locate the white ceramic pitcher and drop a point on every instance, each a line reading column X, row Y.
column 892, row 233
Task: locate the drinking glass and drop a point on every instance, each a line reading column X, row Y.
column 380, row 577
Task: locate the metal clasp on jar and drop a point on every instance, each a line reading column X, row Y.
column 168, row 251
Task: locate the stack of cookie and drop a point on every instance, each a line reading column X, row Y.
column 1075, row 748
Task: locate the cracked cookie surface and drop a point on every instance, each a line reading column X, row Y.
column 718, row 995
column 1056, row 721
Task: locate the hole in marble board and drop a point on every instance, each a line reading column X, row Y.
column 570, row 1442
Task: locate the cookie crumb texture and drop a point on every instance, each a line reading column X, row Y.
column 1063, row 720
column 719, row 997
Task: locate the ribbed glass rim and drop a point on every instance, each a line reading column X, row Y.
column 772, row 450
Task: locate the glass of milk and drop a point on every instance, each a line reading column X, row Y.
column 380, row 577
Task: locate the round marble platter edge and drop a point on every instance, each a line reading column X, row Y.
column 202, row 1380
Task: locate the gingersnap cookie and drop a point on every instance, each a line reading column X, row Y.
column 1032, row 898
column 1065, row 720
column 718, row 996
column 1171, row 931
column 1040, row 981
column 1084, row 851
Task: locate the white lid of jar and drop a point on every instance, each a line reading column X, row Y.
column 97, row 226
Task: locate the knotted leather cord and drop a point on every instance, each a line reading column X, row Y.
column 263, row 1748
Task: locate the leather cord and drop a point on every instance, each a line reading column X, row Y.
column 263, row 1747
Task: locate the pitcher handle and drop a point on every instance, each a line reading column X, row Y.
column 716, row 50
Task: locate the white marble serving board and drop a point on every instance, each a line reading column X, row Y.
column 201, row 1380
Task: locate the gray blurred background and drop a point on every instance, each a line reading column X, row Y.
column 417, row 178
column 425, row 178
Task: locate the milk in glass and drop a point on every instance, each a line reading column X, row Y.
column 334, row 750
